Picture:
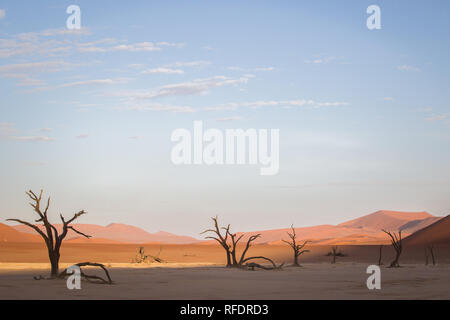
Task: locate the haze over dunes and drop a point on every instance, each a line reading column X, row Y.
column 363, row 230
column 9, row 234
column 116, row 232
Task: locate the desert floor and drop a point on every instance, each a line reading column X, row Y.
column 197, row 272
column 180, row 281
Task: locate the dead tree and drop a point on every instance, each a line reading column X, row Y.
column 396, row 241
column 221, row 239
column 53, row 239
column 90, row 278
column 141, row 257
column 430, row 249
column 242, row 261
column 231, row 248
column 380, row 255
column 296, row 247
column 335, row 253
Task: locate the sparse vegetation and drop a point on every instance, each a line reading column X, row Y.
column 429, row 251
column 396, row 241
column 53, row 239
column 296, row 247
column 380, row 262
column 335, row 253
column 231, row 249
column 142, row 257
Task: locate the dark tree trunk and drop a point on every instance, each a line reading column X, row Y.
column 380, row 256
column 54, row 262
column 395, row 263
column 296, row 260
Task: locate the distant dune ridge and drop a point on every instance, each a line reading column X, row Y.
column 363, row 230
column 9, row 234
column 436, row 233
column 116, row 232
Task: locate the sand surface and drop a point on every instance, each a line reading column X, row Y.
column 197, row 272
column 181, row 281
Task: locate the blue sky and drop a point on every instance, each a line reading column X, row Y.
column 364, row 116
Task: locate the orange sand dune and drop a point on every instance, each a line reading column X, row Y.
column 437, row 233
column 9, row 234
column 91, row 240
column 385, row 219
column 118, row 232
column 363, row 230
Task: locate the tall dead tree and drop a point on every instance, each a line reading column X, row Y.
column 53, row 239
column 396, row 241
column 296, row 247
column 221, row 239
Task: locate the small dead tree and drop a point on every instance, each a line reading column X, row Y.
column 380, row 255
column 429, row 250
column 396, row 241
column 335, row 253
column 221, row 239
column 296, row 247
column 141, row 257
column 53, row 239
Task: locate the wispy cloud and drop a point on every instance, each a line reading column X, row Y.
column 140, row 105
column 321, row 60
column 408, row 68
column 259, row 69
column 276, row 103
column 228, row 119
column 197, row 63
column 44, row 66
column 157, row 107
column 2, row 13
column 33, row 138
column 82, row 136
column 163, row 71
column 94, row 81
column 444, row 117
column 171, row 44
column 197, row 86
column 9, row 132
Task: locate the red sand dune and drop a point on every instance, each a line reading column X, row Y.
column 120, row 233
column 384, row 219
column 9, row 234
column 363, row 230
column 437, row 233
column 92, row 240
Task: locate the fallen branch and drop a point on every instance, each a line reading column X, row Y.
column 253, row 265
column 90, row 278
